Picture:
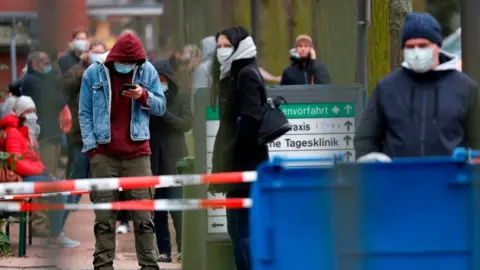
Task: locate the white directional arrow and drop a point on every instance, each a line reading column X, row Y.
column 348, row 108
column 335, row 109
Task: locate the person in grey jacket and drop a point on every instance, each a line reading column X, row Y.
column 201, row 76
column 424, row 108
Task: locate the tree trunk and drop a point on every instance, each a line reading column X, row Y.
column 273, row 40
column 336, row 38
column 172, row 23
column 398, row 10
column 48, row 21
column 378, row 43
column 195, row 20
column 302, row 18
column 419, row 5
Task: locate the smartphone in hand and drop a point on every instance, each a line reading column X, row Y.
column 128, row 87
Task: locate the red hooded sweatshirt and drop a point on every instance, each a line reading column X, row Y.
column 16, row 142
column 128, row 49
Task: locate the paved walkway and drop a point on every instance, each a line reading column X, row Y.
column 79, row 227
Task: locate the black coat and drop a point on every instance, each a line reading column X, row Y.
column 302, row 72
column 241, row 96
column 66, row 62
column 415, row 115
column 43, row 89
column 167, row 134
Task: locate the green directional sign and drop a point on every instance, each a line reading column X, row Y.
column 306, row 110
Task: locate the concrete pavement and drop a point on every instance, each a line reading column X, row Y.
column 79, row 227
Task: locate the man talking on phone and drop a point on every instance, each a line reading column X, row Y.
column 117, row 98
column 305, row 68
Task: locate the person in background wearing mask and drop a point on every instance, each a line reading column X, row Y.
column 21, row 130
column 168, row 146
column 114, row 120
column 78, row 162
column 80, row 45
column 305, row 68
column 202, row 77
column 53, row 115
column 424, row 108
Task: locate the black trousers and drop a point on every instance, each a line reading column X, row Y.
column 122, row 216
column 161, row 221
column 163, row 164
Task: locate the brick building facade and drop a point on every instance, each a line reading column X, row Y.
column 53, row 26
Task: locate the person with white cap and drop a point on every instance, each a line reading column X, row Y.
column 20, row 132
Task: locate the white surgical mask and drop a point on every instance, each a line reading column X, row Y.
column 80, row 45
column 223, row 54
column 419, row 60
column 31, row 123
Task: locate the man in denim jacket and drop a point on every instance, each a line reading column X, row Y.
column 115, row 133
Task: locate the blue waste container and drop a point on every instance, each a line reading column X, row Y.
column 413, row 214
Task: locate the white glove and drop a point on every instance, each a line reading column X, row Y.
column 374, row 157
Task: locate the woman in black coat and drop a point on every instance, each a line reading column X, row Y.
column 240, row 91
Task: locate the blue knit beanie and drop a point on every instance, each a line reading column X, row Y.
column 421, row 25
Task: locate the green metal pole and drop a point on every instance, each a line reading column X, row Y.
column 22, row 245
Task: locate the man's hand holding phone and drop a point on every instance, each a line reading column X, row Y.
column 132, row 91
column 313, row 54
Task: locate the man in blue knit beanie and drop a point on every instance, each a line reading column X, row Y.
column 426, row 107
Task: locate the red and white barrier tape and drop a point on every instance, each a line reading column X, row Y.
column 125, row 183
column 42, row 195
column 140, row 205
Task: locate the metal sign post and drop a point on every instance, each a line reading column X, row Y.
column 363, row 22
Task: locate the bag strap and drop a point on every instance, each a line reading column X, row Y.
column 259, row 76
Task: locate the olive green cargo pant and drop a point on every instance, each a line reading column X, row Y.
column 104, row 228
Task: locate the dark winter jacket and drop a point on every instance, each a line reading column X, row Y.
column 72, row 82
column 305, row 71
column 43, row 89
column 415, row 115
column 66, row 62
column 240, row 98
column 168, row 131
column 15, row 88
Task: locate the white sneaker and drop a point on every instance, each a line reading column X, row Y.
column 122, row 228
column 62, row 242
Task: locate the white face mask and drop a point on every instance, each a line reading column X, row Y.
column 419, row 60
column 80, row 45
column 223, row 54
column 31, row 123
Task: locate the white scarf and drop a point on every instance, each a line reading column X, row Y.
column 246, row 49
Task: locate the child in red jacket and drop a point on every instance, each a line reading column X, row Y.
column 20, row 138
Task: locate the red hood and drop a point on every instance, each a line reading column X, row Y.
column 127, row 49
column 9, row 120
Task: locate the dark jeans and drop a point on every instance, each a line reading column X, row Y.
column 161, row 221
column 78, row 166
column 57, row 218
column 238, row 229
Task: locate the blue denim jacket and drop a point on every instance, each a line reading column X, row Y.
column 95, row 104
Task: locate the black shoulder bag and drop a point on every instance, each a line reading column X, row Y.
column 274, row 122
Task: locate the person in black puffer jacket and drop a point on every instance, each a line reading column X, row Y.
column 168, row 146
column 305, row 68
